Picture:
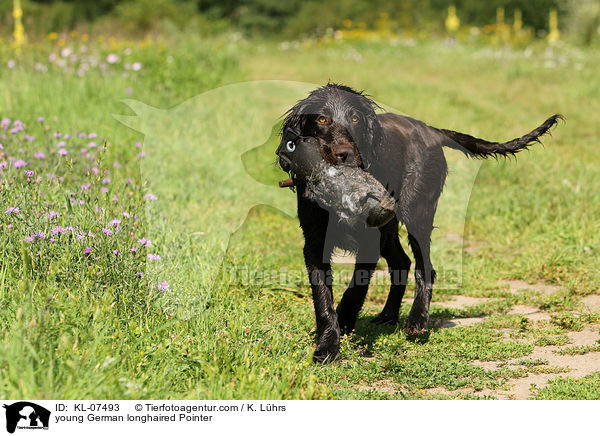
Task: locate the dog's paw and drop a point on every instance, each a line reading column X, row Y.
column 416, row 325
column 385, row 318
column 326, row 355
column 328, row 347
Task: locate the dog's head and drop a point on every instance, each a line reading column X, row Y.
column 341, row 119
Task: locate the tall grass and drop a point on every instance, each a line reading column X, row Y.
column 85, row 324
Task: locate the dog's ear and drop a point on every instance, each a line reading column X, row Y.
column 371, row 139
column 293, row 123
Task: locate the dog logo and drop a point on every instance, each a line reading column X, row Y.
column 26, row 415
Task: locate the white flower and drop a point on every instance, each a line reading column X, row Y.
column 112, row 58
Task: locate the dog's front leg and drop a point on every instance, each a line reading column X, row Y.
column 328, row 330
column 320, row 277
column 317, row 255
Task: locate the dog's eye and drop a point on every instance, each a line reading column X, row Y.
column 290, row 146
column 354, row 119
column 322, row 119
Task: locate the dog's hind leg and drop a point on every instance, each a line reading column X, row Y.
column 418, row 317
column 419, row 238
column 398, row 267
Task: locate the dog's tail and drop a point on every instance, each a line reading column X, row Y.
column 481, row 148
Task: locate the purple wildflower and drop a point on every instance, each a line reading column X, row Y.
column 19, row 163
column 29, row 173
column 53, row 214
column 92, row 144
column 57, row 230
column 145, row 242
column 92, row 135
column 28, row 239
column 62, row 152
column 151, row 197
column 126, row 214
column 163, row 286
column 106, row 180
column 114, row 222
column 38, row 235
column 87, row 250
column 134, row 249
column 104, row 189
column 153, row 256
column 117, row 252
column 107, row 231
column 12, row 210
column 86, row 186
column 41, row 119
column 39, row 155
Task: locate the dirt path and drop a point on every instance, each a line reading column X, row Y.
column 563, row 365
column 558, row 365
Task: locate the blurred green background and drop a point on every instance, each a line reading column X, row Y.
column 577, row 19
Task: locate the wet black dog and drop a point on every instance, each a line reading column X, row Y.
column 406, row 156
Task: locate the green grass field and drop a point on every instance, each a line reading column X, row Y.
column 84, row 307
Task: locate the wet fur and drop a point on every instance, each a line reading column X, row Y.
column 406, row 156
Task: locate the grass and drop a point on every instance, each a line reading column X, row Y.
column 569, row 388
column 237, row 319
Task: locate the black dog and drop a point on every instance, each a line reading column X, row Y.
column 406, row 156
